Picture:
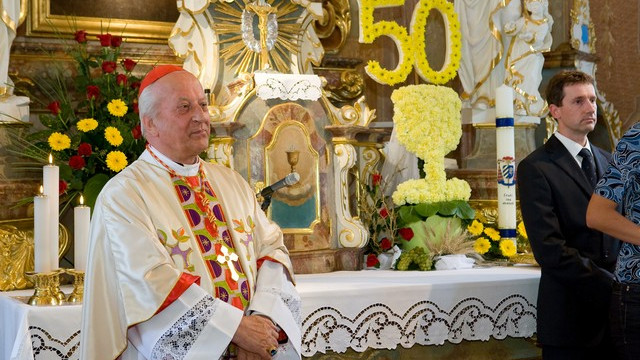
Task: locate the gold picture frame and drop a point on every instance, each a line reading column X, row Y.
column 42, row 22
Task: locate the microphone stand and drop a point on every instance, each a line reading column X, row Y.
column 265, row 204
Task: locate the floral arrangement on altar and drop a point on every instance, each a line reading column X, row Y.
column 94, row 136
column 488, row 242
column 379, row 217
column 432, row 210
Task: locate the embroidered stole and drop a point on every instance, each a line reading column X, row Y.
column 208, row 224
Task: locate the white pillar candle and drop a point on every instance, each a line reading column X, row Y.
column 81, row 220
column 505, row 151
column 41, row 257
column 51, row 183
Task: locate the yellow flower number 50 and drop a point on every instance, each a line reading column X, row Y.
column 411, row 44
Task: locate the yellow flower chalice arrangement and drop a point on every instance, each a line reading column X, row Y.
column 431, row 210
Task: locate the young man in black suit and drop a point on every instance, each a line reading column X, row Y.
column 555, row 184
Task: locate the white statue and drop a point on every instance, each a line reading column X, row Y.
column 481, row 66
column 531, row 37
column 12, row 108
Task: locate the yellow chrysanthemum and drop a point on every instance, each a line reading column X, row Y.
column 507, row 248
column 492, row 233
column 116, row 160
column 117, row 107
column 86, row 125
column 113, row 136
column 59, row 142
column 481, row 245
column 475, row 228
column 522, row 231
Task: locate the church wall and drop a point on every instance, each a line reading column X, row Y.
column 617, row 26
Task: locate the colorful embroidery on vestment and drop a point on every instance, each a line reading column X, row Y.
column 214, row 239
column 240, row 228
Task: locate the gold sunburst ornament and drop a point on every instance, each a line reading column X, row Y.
column 268, row 30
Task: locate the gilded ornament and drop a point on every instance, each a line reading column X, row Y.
column 16, row 252
column 335, row 25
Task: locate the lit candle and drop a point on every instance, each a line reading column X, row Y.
column 51, row 182
column 505, row 151
column 40, row 231
column 81, row 220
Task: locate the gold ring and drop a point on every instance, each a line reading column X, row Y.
column 272, row 351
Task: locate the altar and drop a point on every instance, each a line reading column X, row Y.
column 345, row 311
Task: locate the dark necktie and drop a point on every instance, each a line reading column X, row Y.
column 588, row 166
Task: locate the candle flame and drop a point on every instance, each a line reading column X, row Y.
column 50, row 158
column 81, row 200
column 41, row 189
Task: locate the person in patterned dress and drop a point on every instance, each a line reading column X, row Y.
column 615, row 209
column 183, row 263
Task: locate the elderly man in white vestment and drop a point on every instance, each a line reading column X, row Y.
column 183, row 263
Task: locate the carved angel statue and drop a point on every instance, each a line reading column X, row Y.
column 481, row 66
column 531, row 37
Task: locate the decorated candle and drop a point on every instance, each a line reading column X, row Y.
column 505, row 151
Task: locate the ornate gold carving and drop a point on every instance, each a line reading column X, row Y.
column 487, row 211
column 235, row 51
column 333, row 29
column 350, row 88
column 16, row 252
column 580, row 15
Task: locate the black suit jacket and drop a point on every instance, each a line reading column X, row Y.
column 576, row 262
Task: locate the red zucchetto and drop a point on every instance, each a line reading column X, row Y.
column 157, row 73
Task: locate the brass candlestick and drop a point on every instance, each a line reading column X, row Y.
column 43, row 294
column 292, row 158
column 55, row 285
column 77, row 294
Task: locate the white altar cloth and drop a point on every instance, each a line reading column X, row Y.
column 38, row 332
column 384, row 309
column 340, row 310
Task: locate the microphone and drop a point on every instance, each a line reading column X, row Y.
column 288, row 180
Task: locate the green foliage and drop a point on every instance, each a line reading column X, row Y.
column 408, row 214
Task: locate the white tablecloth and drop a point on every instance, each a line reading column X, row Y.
column 37, row 332
column 340, row 310
column 384, row 309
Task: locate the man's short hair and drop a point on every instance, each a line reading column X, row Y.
column 555, row 87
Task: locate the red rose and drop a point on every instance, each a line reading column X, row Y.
column 385, row 244
column 406, row 233
column 135, row 107
column 384, row 213
column 93, row 92
column 76, row 162
column 116, row 41
column 376, row 179
column 84, row 149
column 105, row 40
column 108, row 67
column 135, row 85
column 54, row 107
column 372, row 260
column 136, row 132
column 80, row 36
column 62, row 187
column 128, row 64
column 121, row 79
